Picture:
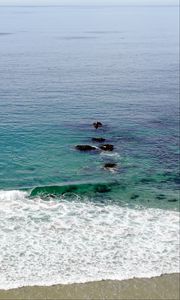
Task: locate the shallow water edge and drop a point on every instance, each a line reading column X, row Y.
column 161, row 287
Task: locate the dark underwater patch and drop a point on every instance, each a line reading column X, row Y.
column 98, row 139
column 176, row 180
column 166, row 177
column 173, row 177
column 147, row 180
column 172, row 200
column 31, row 169
column 71, row 189
column 101, row 188
column 134, row 196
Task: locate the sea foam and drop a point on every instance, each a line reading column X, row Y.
column 58, row 241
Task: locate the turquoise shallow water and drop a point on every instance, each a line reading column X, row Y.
column 63, row 218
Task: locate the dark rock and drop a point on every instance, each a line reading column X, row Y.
column 134, row 196
column 98, row 139
column 110, row 165
column 107, row 147
column 97, row 125
column 85, row 148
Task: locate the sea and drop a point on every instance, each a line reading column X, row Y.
column 64, row 216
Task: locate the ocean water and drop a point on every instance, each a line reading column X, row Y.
column 63, row 217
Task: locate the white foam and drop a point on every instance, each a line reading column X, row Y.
column 110, row 154
column 45, row 243
column 11, row 196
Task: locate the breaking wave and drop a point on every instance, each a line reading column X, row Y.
column 50, row 242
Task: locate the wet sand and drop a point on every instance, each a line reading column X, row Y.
column 163, row 287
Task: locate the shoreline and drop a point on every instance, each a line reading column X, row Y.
column 162, row 287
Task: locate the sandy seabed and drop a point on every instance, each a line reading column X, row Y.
column 162, row 287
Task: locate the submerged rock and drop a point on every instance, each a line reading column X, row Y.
column 98, row 139
column 134, row 196
column 172, row 200
column 110, row 166
column 97, row 124
column 107, row 147
column 160, row 197
column 102, row 188
column 85, row 148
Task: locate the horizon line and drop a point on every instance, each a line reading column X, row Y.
column 90, row 5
